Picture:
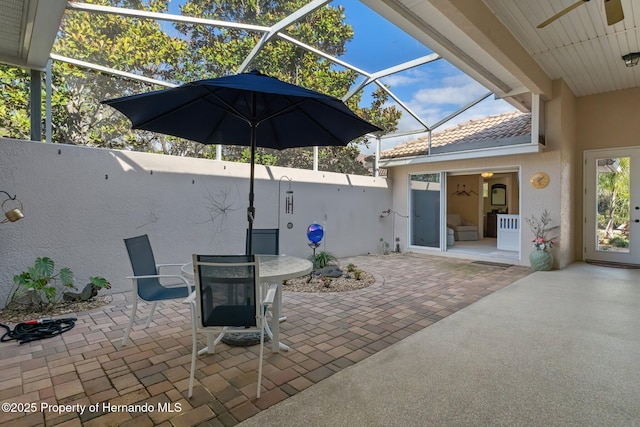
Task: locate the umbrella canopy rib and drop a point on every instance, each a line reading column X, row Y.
column 165, row 113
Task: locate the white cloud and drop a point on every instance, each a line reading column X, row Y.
column 397, row 80
column 448, row 95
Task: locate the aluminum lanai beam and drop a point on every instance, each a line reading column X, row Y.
column 402, row 104
column 107, row 70
column 257, row 28
column 462, row 110
column 393, row 70
column 369, row 76
column 192, row 20
column 163, row 16
column 441, row 122
column 275, row 29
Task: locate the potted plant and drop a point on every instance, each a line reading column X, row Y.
column 541, row 258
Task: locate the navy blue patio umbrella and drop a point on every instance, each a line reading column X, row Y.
column 248, row 109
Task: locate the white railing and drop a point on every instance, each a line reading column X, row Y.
column 508, row 232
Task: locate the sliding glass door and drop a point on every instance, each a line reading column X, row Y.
column 425, row 202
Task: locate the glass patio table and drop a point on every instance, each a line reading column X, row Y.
column 273, row 269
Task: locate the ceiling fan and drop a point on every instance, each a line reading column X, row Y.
column 612, row 8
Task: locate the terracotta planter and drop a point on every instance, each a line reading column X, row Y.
column 541, row 260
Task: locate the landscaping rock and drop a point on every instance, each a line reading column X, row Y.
column 329, row 272
column 90, row 291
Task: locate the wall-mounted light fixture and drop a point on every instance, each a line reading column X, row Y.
column 631, row 59
column 12, row 214
column 486, row 174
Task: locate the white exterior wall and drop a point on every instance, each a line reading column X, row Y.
column 80, row 203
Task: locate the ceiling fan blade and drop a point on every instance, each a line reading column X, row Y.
column 561, row 13
column 613, row 10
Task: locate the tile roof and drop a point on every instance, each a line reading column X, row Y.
column 491, row 131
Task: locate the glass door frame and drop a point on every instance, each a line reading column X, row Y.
column 589, row 232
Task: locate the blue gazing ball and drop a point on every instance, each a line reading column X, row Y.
column 315, row 233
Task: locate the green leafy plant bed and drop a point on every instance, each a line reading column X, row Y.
column 36, row 293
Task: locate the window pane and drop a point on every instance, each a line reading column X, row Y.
column 612, row 204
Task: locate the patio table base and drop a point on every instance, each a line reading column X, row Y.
column 243, row 339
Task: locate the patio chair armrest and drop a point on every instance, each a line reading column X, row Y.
column 159, row 266
column 271, row 294
column 191, row 299
column 163, row 276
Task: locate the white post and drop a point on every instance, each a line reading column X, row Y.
column 48, row 114
column 315, row 158
column 376, row 168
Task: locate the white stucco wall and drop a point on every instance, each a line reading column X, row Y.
column 80, row 203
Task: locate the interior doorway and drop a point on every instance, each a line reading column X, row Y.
column 490, row 202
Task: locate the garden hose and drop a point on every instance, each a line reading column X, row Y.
column 33, row 330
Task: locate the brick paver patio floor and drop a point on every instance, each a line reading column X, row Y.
column 87, row 367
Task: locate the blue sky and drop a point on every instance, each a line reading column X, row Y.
column 432, row 91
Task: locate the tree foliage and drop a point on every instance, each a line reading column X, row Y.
column 184, row 52
column 614, row 196
column 14, row 114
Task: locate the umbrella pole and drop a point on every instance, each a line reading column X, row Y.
column 251, row 211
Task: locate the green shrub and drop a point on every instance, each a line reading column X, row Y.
column 43, row 280
column 619, row 242
column 322, row 259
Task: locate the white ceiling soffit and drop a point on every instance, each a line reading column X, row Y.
column 579, row 47
column 28, row 30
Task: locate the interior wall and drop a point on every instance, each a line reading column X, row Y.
column 465, row 197
column 501, row 179
column 80, row 203
column 513, row 193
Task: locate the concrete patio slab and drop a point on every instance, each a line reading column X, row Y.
column 553, row 348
